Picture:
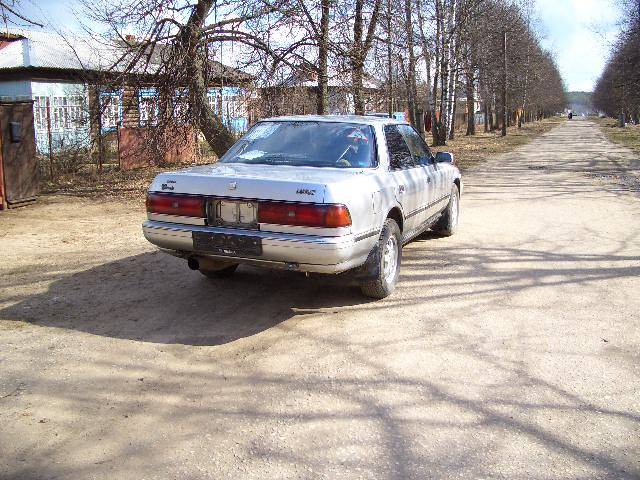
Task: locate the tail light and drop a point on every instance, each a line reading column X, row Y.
column 304, row 215
column 172, row 204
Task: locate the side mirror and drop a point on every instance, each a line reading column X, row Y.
column 444, row 157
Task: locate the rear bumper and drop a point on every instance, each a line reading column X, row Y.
column 307, row 253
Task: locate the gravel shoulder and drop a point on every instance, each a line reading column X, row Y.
column 510, row 350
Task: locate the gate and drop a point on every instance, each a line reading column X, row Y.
column 18, row 162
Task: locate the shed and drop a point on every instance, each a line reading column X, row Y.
column 18, row 162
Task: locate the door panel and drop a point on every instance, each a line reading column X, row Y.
column 428, row 171
column 407, row 177
column 431, row 193
column 17, row 140
column 442, row 184
column 409, row 195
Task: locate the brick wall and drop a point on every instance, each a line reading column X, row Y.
column 144, row 147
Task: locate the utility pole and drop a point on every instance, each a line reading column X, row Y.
column 504, row 83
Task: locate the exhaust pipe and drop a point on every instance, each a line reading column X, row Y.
column 193, row 263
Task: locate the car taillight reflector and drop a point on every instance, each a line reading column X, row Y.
column 304, row 215
column 172, row 204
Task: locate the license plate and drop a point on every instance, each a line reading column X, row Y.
column 231, row 213
column 224, row 244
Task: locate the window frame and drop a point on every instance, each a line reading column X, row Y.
column 107, row 113
column 374, row 146
column 148, row 107
column 391, row 167
column 430, row 158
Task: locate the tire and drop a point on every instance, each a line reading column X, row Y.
column 225, row 272
column 448, row 222
column 389, row 248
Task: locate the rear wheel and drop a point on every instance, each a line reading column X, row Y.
column 225, row 272
column 448, row 222
column 388, row 255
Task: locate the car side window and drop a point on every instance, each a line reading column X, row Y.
column 399, row 153
column 417, row 145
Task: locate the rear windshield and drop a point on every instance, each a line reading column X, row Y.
column 307, row 144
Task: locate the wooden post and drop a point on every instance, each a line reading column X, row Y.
column 3, row 198
column 99, row 138
column 49, row 137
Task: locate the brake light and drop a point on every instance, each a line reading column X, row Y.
column 172, row 204
column 304, row 215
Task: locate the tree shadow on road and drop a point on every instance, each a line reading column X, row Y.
column 154, row 297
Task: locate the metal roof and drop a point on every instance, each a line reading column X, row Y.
column 339, row 79
column 25, row 48
column 42, row 49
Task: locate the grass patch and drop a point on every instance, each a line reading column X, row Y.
column 628, row 136
column 471, row 150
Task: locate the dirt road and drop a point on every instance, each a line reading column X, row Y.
column 510, row 350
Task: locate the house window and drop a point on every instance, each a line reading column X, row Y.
column 235, row 106
column 59, row 114
column 230, row 104
column 40, row 113
column 181, row 106
column 148, row 106
column 77, row 107
column 111, row 110
column 228, row 99
column 213, row 97
column 66, row 113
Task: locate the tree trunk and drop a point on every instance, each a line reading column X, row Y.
column 357, row 63
column 322, row 105
column 440, row 128
column 411, row 69
column 504, row 84
column 357, row 74
column 360, row 48
column 427, row 59
column 454, row 107
column 389, row 62
column 452, row 128
column 471, row 104
column 486, row 117
column 187, row 48
column 436, row 75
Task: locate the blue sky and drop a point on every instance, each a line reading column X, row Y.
column 578, row 32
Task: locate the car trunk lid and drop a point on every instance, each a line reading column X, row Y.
column 261, row 182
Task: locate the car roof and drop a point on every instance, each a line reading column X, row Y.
column 361, row 119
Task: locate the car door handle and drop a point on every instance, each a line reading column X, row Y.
column 428, row 179
column 401, row 189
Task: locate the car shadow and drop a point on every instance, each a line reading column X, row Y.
column 154, row 297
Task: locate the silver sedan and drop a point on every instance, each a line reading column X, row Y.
column 325, row 194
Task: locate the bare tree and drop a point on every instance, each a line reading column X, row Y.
column 617, row 91
column 355, row 32
column 11, row 15
column 174, row 48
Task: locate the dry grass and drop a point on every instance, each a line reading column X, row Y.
column 470, row 150
column 628, row 136
column 111, row 182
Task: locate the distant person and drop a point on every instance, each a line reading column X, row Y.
column 570, row 115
